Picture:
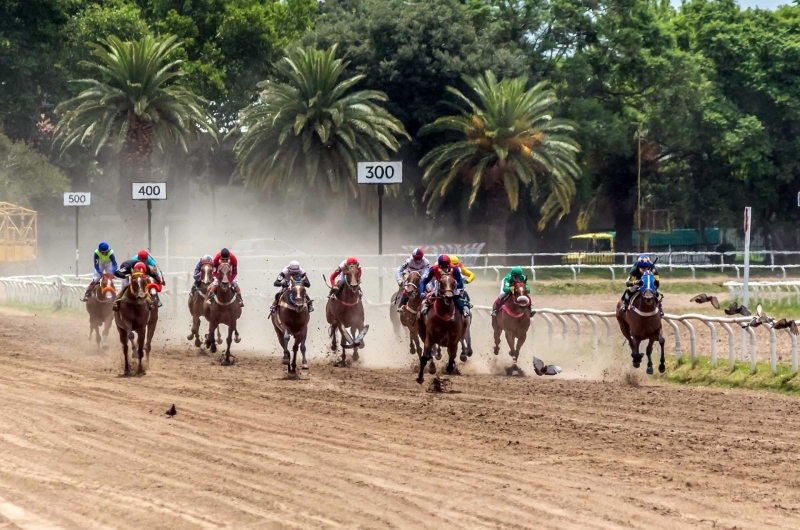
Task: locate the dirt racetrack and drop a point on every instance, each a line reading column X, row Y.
column 82, row 448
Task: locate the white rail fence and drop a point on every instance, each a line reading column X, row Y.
column 785, row 292
column 63, row 291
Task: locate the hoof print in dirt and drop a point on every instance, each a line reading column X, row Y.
column 545, row 369
column 440, row 385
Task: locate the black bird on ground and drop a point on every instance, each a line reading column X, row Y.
column 171, row 412
column 736, row 309
column 704, row 298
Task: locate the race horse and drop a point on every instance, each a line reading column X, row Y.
column 224, row 309
column 642, row 322
column 197, row 303
column 98, row 305
column 514, row 319
column 132, row 318
column 443, row 325
column 291, row 319
column 153, row 287
column 408, row 318
column 347, row 311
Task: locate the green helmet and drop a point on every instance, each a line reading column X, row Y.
column 516, row 271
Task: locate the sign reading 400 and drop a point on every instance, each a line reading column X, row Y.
column 380, row 172
column 149, row 191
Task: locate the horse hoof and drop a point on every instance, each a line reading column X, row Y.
column 286, row 361
column 213, row 348
column 305, row 366
column 520, row 372
column 438, row 355
column 469, row 352
column 662, row 368
column 104, row 347
column 237, row 340
column 497, row 351
column 432, row 368
column 463, row 357
column 420, row 379
column 510, row 370
column 355, row 356
column 190, row 337
column 636, row 364
column 219, row 340
column 649, row 370
column 197, row 343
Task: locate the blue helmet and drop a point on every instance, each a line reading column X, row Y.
column 644, row 261
column 444, row 261
column 103, row 247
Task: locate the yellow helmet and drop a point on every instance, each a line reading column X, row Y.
column 453, row 260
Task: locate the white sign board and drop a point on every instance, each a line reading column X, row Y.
column 77, row 198
column 149, row 191
column 380, row 172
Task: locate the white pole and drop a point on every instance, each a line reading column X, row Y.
column 745, row 288
column 166, row 248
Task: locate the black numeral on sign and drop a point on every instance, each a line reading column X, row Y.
column 77, row 199
column 149, row 191
column 380, row 172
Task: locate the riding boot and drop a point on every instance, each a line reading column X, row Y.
column 87, row 294
column 115, row 306
column 494, row 309
column 212, row 293
column 465, row 311
column 239, row 298
column 425, row 307
column 310, row 303
column 158, row 299
column 403, row 302
column 334, row 291
column 625, row 301
column 192, row 291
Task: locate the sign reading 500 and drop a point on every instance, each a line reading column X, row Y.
column 380, row 172
column 149, row 191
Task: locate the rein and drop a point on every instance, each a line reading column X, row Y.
column 509, row 313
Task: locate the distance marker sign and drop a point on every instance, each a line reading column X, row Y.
column 149, row 191
column 76, row 198
column 380, row 172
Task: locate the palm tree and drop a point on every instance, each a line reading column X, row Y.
column 312, row 127
column 135, row 104
column 508, row 141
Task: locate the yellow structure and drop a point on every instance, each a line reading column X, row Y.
column 17, row 233
column 592, row 249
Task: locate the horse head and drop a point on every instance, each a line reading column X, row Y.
column 521, row 294
column 224, row 271
column 106, row 286
column 412, row 284
column 447, row 287
column 352, row 277
column 206, row 272
column 298, row 294
column 138, row 286
column 647, row 286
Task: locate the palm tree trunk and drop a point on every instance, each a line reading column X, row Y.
column 499, row 213
column 135, row 166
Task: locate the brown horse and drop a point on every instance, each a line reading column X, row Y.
column 514, row 319
column 132, row 317
column 197, row 302
column 153, row 287
column 291, row 320
column 347, row 311
column 98, row 305
column 224, row 309
column 642, row 322
column 442, row 325
column 408, row 318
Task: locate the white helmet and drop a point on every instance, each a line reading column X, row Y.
column 294, row 266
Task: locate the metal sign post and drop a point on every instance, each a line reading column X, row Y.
column 149, row 191
column 745, row 291
column 77, row 199
column 380, row 173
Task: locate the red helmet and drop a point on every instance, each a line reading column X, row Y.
column 143, row 255
column 140, row 267
column 418, row 253
column 350, row 261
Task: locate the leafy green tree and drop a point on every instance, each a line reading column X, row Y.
column 313, row 126
column 135, row 104
column 509, row 144
column 27, row 175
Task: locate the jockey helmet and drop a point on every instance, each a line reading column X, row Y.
column 207, row 258
column 143, row 255
column 293, row 266
column 418, row 253
column 103, row 247
column 644, row 261
column 351, row 261
column 140, row 267
column 516, row 271
column 444, row 261
column 225, row 253
column 454, row 260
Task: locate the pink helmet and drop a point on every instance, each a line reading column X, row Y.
column 140, row 267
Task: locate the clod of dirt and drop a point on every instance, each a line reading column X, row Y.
column 631, row 379
column 440, row 385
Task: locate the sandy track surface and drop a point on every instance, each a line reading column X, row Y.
column 82, row 448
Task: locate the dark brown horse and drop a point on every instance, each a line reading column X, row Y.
column 153, row 288
column 98, row 305
column 347, row 311
column 408, row 318
column 132, row 318
column 442, row 325
column 514, row 319
column 642, row 322
column 291, row 320
column 197, row 302
column 224, row 309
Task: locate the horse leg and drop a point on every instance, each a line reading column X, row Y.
column 196, row 331
column 303, row 350
column 520, row 341
column 661, row 367
column 123, row 338
column 649, row 352
column 219, row 337
column 212, row 328
column 236, row 338
column 295, row 347
column 354, row 333
column 635, row 355
column 228, row 344
column 285, row 343
column 423, row 360
column 140, row 338
column 106, row 330
column 332, row 333
column 497, row 332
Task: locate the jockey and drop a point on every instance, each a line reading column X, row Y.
column 208, row 258
column 225, row 256
column 148, row 260
column 444, row 266
column 104, row 263
column 337, row 278
column 125, row 270
column 515, row 276
column 292, row 272
column 417, row 262
column 642, row 265
column 466, row 274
